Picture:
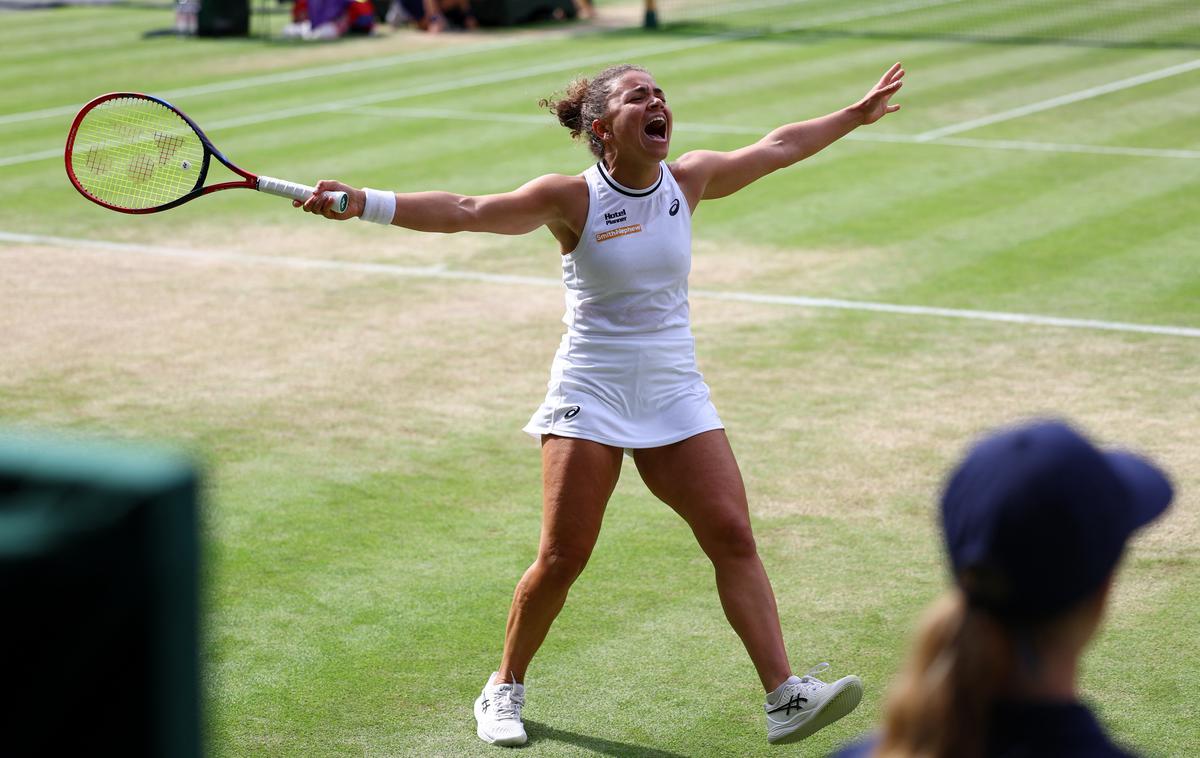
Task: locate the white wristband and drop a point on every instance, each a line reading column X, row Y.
column 379, row 206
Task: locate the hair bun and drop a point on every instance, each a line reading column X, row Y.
column 584, row 102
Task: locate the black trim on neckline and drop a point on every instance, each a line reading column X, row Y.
column 625, row 190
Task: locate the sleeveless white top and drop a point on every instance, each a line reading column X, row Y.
column 625, row 372
column 629, row 273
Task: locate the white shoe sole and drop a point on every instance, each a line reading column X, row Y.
column 841, row 704
column 502, row 742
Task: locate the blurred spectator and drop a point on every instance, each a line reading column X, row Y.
column 330, row 19
column 432, row 15
column 1035, row 521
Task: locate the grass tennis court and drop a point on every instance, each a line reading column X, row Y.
column 357, row 393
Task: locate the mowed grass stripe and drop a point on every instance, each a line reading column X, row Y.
column 989, row 222
column 1153, row 23
column 31, row 35
column 1147, row 116
column 977, row 207
column 1165, row 280
column 300, row 101
column 950, row 82
column 1065, row 99
column 424, row 593
column 235, row 119
column 417, row 66
column 982, row 197
column 1070, row 18
column 464, row 83
column 656, row 626
column 302, row 104
column 306, row 105
column 1050, row 266
column 309, row 73
column 981, row 92
column 775, row 22
column 772, row 83
column 1148, row 624
column 1074, row 23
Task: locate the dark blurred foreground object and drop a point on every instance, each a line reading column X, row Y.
column 510, row 12
column 223, row 18
column 98, row 575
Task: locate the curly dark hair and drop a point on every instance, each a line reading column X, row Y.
column 585, row 101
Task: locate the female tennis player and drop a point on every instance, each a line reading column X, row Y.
column 625, row 377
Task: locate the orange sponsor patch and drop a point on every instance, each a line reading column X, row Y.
column 620, row 231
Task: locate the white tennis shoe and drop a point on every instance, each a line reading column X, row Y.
column 802, row 705
column 498, row 713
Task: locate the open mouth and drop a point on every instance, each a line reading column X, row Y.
column 656, row 129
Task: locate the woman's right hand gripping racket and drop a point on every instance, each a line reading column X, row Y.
column 136, row 153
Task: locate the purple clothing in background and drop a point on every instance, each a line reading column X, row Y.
column 321, row 11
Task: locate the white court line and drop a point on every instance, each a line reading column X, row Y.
column 1052, row 147
column 1054, row 102
column 450, row 114
column 41, row 155
column 440, row 272
column 860, row 136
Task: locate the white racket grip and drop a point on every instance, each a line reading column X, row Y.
column 273, row 186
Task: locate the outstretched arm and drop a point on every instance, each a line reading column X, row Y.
column 542, row 202
column 708, row 174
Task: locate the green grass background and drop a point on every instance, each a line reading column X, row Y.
column 370, row 500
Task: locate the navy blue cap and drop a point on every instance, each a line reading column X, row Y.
column 1035, row 518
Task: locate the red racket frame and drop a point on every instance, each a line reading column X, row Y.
column 210, row 151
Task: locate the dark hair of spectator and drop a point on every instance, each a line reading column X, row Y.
column 585, row 101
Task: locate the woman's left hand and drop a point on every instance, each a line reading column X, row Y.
column 875, row 105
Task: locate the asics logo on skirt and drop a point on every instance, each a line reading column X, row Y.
column 571, row 413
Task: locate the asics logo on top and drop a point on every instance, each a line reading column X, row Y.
column 674, row 206
column 616, row 217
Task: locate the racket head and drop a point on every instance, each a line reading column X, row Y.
column 136, row 153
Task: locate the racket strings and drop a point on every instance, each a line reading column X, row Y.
column 135, row 153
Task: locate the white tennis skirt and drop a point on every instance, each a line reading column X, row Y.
column 625, row 392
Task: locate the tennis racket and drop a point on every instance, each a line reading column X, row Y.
column 136, row 153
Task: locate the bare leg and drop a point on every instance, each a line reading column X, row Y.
column 699, row 478
column 578, row 476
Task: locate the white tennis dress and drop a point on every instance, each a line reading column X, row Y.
column 625, row 372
